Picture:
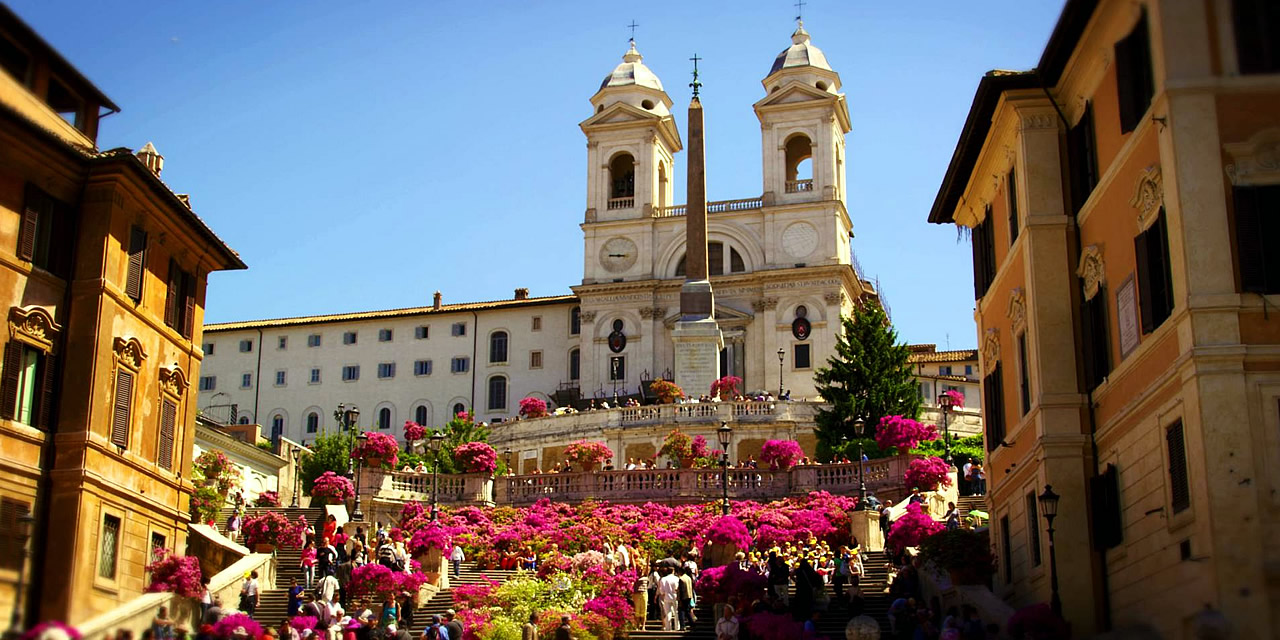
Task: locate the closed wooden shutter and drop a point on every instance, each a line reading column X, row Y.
column 1013, row 205
column 993, row 396
column 171, row 300
column 979, row 268
column 168, row 422
column 46, row 394
column 188, row 305
column 1143, row 259
column 120, row 418
column 9, row 379
column 1104, row 500
column 1096, row 338
column 11, row 554
column 1135, row 84
column 30, row 223
column 137, row 251
column 1179, row 485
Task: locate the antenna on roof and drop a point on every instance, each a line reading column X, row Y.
column 695, row 84
column 632, row 27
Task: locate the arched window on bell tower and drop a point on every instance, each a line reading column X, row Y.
column 799, row 164
column 622, row 181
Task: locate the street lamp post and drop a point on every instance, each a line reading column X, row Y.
column 860, row 428
column 297, row 456
column 23, row 531
column 358, row 514
column 782, row 356
column 507, row 480
column 946, row 402
column 725, row 434
column 1049, row 507
column 435, row 441
column 613, row 364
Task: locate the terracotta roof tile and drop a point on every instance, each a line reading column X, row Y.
column 960, row 355
column 388, row 313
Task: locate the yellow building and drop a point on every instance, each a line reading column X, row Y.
column 1123, row 200
column 102, row 277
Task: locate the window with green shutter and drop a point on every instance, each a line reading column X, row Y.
column 1179, row 484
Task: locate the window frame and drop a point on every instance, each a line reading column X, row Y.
column 307, row 420
column 109, row 582
column 315, row 377
column 212, row 383
column 282, row 378
column 314, row 340
column 350, row 373
column 491, row 399
column 350, row 338
column 282, row 343
column 535, row 359
column 422, row 332
column 795, row 356
column 422, row 368
column 386, row 370
column 386, row 335
column 464, row 361
column 499, row 347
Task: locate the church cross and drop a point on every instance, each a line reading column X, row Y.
column 695, row 84
column 800, row 9
column 632, row 27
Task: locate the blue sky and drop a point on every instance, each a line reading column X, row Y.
column 361, row 155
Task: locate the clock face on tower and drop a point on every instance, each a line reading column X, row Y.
column 617, row 254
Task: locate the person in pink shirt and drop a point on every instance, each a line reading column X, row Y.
column 309, row 563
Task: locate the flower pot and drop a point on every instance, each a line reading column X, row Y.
column 373, row 462
column 687, row 463
column 264, row 547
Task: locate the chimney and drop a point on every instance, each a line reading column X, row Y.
column 151, row 158
column 522, row 293
column 436, row 301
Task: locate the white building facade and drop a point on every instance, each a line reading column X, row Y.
column 780, row 262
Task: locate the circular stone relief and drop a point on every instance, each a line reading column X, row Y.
column 799, row 239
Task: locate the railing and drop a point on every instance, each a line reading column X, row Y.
column 799, row 186
column 690, row 485
column 641, row 485
column 622, row 203
column 710, row 411
column 719, row 206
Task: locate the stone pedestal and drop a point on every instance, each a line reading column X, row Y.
column 866, row 528
column 697, row 340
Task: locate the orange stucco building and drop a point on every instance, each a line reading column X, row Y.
column 1123, row 200
column 102, row 278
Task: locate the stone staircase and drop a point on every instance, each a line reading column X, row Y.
column 874, row 584
column 273, row 604
column 443, row 599
column 971, row 503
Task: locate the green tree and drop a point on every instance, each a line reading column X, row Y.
column 458, row 432
column 329, row 452
column 868, row 377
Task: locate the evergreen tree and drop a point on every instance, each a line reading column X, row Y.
column 868, row 377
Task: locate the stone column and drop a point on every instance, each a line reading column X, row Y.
column 696, row 338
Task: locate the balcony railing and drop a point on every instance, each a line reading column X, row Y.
column 639, row 485
column 719, row 206
column 622, row 203
column 799, row 186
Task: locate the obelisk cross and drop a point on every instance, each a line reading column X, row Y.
column 695, row 84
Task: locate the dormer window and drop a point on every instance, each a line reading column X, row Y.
column 14, row 60
column 65, row 102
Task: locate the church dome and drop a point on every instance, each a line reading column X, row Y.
column 632, row 72
column 800, row 54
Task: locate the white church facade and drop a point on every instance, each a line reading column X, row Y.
column 780, row 262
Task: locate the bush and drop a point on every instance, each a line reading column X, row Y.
column 533, row 407
column 331, row 486
column 272, row 527
column 414, row 431
column 970, row 448
column 781, row 454
column 267, row 499
column 903, row 434
column 585, row 452
column 726, row 387
column 729, row 530
column 176, row 574
column 377, row 445
column 476, row 457
column 927, row 474
column 666, row 391
column 959, row 550
column 910, row 529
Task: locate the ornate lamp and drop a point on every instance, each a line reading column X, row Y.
column 860, row 428
column 724, row 434
column 1049, row 508
column 946, row 403
column 357, row 514
column 782, row 357
column 436, row 440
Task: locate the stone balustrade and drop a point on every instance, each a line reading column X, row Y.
column 641, row 485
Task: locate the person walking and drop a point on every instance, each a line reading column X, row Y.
column 308, row 562
column 562, row 632
column 685, row 609
column 453, row 625
column 952, row 518
column 668, row 596
column 456, row 557
column 249, row 594
column 640, row 597
column 530, row 631
column 295, row 597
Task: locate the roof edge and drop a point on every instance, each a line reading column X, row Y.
column 56, row 56
column 384, row 313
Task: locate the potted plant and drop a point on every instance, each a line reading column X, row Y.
column 927, row 473
column 175, row 574
column 267, row 499
column 476, row 457
column 533, row 408
column 678, row 446
column 781, row 454
column 377, row 450
column 957, row 398
column 963, row 553
column 413, row 432
column 332, row 488
column 903, row 434
column 588, row 454
column 910, row 528
column 666, row 391
column 726, row 387
column 270, row 530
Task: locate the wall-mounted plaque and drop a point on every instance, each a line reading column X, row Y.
column 1127, row 316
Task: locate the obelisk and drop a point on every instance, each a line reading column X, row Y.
column 696, row 337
